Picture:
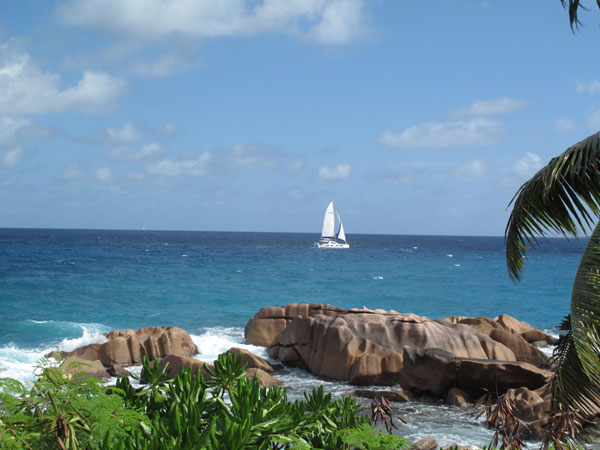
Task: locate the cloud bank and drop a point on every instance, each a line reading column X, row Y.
column 476, row 131
column 326, row 22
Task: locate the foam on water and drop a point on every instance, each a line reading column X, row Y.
column 20, row 363
column 215, row 341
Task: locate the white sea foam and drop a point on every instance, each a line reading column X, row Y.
column 215, row 341
column 20, row 363
column 92, row 336
column 450, row 255
column 378, row 278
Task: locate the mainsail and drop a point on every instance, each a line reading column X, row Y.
column 329, row 223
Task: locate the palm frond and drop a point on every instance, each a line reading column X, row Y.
column 571, row 387
column 585, row 312
column 563, row 198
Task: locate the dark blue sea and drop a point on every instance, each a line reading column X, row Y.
column 64, row 288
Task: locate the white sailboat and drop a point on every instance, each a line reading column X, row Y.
column 329, row 238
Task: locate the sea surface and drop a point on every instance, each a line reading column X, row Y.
column 61, row 289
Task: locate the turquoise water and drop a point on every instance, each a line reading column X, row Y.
column 198, row 280
column 64, row 288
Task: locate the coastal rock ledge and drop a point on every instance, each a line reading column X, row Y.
column 378, row 347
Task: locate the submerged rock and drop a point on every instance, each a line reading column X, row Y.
column 425, row 444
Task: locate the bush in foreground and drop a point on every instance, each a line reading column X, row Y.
column 229, row 412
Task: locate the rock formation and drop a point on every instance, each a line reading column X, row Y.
column 126, row 348
column 385, row 347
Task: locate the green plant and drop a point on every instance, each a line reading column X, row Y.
column 564, row 197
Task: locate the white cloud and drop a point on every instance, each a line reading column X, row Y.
column 146, row 152
column 472, row 169
column 10, row 127
column 564, row 124
column 103, row 174
column 490, row 107
column 72, row 172
column 477, row 131
column 297, row 164
column 527, row 166
column 162, row 67
column 169, row 128
column 185, row 167
column 25, row 89
column 126, row 133
column 253, row 157
column 329, row 22
column 335, row 173
column 398, row 177
column 11, row 157
column 591, row 87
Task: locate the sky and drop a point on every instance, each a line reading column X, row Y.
column 413, row 117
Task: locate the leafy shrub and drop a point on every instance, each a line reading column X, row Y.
column 229, row 412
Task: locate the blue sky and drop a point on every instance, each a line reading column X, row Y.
column 414, row 117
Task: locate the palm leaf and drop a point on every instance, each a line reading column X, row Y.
column 571, row 387
column 561, row 198
column 585, row 312
column 573, row 7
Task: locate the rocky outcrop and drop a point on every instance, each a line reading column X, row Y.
column 434, row 372
column 458, row 397
column 377, row 347
column 367, row 348
column 520, row 347
column 531, row 408
column 252, row 361
column 270, row 321
column 126, row 348
column 177, row 362
column 264, row 378
column 83, row 368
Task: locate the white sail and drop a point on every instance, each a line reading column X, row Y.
column 329, row 223
column 341, row 235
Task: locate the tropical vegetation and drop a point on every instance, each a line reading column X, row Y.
column 229, row 411
column 564, row 198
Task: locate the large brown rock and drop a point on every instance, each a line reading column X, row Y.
column 532, row 336
column 532, row 409
column 484, row 325
column 434, row 372
column 73, row 365
column 270, row 321
column 365, row 347
column 126, row 348
column 523, row 350
column 264, row 378
column 251, row 360
column 513, row 325
column 177, row 362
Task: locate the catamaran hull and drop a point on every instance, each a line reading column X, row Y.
column 331, row 244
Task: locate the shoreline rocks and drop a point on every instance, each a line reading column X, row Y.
column 455, row 359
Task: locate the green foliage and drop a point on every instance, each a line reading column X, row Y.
column 564, row 197
column 365, row 437
column 228, row 412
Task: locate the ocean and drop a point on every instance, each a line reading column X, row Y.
column 60, row 289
